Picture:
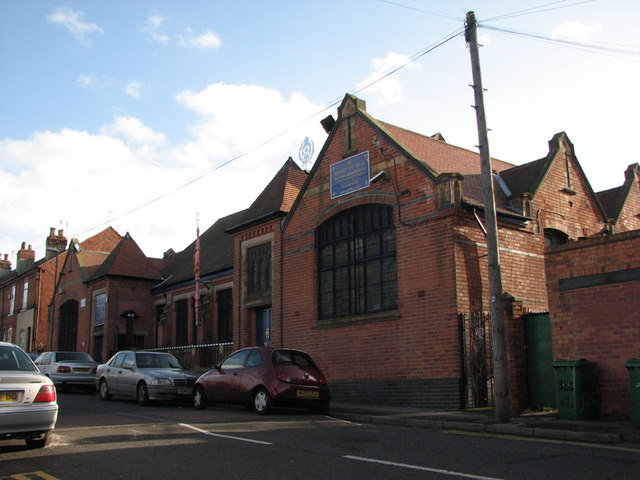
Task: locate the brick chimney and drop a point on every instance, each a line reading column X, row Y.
column 56, row 243
column 5, row 266
column 26, row 258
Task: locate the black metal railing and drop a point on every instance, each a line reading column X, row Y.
column 199, row 356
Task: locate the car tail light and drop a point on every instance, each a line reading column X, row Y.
column 63, row 369
column 94, row 370
column 283, row 377
column 46, row 394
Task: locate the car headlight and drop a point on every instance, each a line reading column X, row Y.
column 160, row 381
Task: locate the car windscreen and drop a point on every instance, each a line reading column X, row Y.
column 156, row 360
column 292, row 357
column 73, row 357
column 12, row 358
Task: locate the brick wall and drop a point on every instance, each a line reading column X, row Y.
column 594, row 304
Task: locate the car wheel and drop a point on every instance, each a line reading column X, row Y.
column 104, row 390
column 38, row 441
column 142, row 394
column 262, row 401
column 199, row 398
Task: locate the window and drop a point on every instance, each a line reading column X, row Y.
column 357, row 262
column 236, row 360
column 12, row 300
column 255, row 359
column 225, row 315
column 99, row 308
column 25, row 295
column 258, row 273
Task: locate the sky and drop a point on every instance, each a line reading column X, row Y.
column 155, row 117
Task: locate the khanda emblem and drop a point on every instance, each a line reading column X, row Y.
column 306, row 152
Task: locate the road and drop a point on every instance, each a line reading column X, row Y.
column 100, row 440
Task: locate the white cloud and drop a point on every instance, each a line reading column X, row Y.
column 93, row 81
column 73, row 22
column 153, row 27
column 576, row 30
column 130, row 177
column 207, row 40
column 134, row 89
column 132, row 131
column 386, row 90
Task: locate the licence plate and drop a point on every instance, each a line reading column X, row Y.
column 184, row 391
column 81, row 370
column 10, row 396
column 307, row 394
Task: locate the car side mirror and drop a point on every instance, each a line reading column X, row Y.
column 128, row 365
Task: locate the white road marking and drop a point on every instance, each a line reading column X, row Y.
column 230, row 437
column 417, row 467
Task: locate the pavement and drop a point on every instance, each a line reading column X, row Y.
column 532, row 425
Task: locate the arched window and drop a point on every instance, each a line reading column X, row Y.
column 357, row 262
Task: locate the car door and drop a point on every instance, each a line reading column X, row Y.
column 44, row 363
column 223, row 383
column 129, row 375
column 113, row 373
column 250, row 376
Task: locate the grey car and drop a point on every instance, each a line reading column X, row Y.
column 145, row 376
column 68, row 369
column 28, row 405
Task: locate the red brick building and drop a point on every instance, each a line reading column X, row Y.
column 103, row 297
column 375, row 262
column 27, row 291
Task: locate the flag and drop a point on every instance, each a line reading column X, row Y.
column 196, row 271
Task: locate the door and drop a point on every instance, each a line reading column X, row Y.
column 263, row 325
column 539, row 348
column 68, row 336
column 224, row 384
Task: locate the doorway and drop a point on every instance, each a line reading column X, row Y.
column 263, row 326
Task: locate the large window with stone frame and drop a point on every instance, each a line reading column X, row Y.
column 357, row 262
column 258, row 273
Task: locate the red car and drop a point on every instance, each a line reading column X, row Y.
column 264, row 377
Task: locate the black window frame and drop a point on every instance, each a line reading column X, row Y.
column 357, row 265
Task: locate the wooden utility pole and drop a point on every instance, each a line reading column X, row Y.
column 500, row 368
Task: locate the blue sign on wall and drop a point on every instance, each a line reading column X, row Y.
column 350, row 175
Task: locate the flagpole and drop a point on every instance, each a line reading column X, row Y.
column 196, row 270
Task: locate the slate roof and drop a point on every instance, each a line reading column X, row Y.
column 127, row 260
column 216, row 253
column 278, row 196
column 614, row 199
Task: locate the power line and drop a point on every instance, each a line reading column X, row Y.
column 599, row 47
column 332, row 104
column 533, row 10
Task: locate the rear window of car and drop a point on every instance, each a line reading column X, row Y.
column 291, row 357
column 12, row 358
column 73, row 357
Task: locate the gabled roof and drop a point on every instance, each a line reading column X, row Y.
column 216, row 253
column 127, row 260
column 278, row 196
column 430, row 154
column 614, row 199
column 93, row 251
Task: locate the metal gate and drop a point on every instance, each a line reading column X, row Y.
column 479, row 387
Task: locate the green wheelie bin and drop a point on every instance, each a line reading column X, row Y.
column 577, row 393
column 633, row 365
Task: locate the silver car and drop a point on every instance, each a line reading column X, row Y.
column 144, row 376
column 68, row 369
column 28, row 406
